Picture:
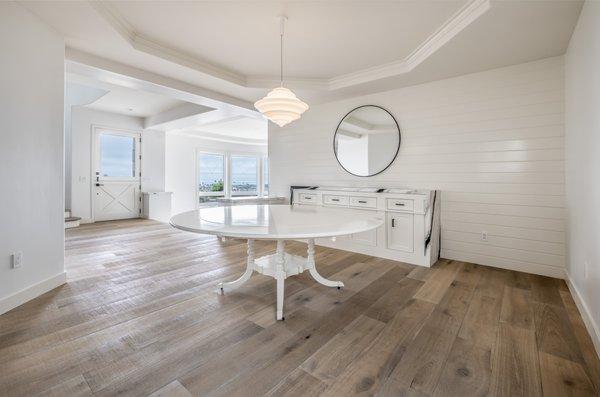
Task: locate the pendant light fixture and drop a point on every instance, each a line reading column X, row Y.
column 281, row 105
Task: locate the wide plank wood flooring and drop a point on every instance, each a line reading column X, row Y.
column 140, row 316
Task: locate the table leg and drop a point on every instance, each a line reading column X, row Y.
column 313, row 270
column 280, row 277
column 223, row 286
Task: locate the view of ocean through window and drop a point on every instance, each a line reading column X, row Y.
column 243, row 175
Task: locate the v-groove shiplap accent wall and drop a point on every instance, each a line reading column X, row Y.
column 493, row 142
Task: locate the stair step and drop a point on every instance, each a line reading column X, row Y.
column 72, row 221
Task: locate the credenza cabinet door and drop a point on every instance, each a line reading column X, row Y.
column 400, row 232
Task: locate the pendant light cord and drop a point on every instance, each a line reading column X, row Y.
column 282, row 21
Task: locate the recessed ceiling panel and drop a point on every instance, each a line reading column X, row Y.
column 322, row 39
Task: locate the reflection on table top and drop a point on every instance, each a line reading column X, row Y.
column 276, row 221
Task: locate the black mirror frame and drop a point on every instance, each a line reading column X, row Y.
column 397, row 149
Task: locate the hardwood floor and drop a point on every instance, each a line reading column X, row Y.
column 140, row 316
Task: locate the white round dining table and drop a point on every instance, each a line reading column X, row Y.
column 277, row 222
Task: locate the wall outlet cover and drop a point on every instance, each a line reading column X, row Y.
column 16, row 260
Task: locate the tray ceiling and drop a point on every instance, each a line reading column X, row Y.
column 332, row 49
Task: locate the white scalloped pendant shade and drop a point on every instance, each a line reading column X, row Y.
column 281, row 106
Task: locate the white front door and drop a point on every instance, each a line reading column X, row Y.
column 116, row 179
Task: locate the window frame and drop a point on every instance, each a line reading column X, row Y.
column 264, row 163
column 98, row 131
column 227, row 181
column 258, row 168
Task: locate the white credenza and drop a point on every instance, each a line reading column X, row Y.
column 156, row 205
column 411, row 232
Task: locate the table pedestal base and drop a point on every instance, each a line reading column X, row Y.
column 280, row 266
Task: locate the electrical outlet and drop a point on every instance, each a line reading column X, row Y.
column 484, row 236
column 17, row 260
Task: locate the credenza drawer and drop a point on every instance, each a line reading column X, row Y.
column 365, row 202
column 331, row 199
column 307, row 198
column 400, row 205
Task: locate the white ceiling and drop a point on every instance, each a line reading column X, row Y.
column 133, row 103
column 127, row 101
column 332, row 49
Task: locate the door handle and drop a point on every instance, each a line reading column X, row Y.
column 99, row 184
column 393, row 222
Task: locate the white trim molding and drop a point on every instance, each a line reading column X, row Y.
column 469, row 13
column 588, row 320
column 31, row 292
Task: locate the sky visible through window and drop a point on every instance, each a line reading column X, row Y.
column 117, row 155
column 211, row 172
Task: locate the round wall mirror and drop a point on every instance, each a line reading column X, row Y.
column 366, row 141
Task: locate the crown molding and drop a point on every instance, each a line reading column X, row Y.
column 454, row 25
column 447, row 31
column 149, row 46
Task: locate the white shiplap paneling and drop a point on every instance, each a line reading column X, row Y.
column 493, row 142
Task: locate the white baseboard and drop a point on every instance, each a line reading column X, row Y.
column 27, row 294
column 504, row 263
column 588, row 320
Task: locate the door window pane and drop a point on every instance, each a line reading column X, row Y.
column 117, row 156
column 211, row 176
column 265, row 176
column 243, row 175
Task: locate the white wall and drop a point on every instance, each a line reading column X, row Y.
column 31, row 174
column 583, row 164
column 153, row 161
column 75, row 94
column 81, row 157
column 493, row 142
column 180, row 166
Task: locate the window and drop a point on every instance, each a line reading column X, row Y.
column 117, row 156
column 265, row 175
column 244, row 179
column 211, row 176
column 231, row 175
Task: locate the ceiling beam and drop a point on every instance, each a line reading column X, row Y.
column 178, row 117
column 101, row 69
